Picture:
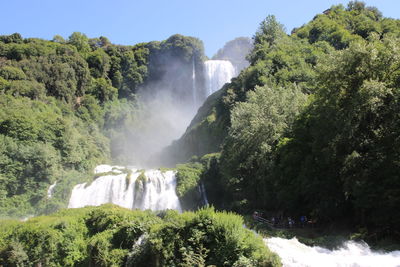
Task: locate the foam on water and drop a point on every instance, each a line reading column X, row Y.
column 351, row 254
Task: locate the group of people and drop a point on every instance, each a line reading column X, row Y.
column 282, row 222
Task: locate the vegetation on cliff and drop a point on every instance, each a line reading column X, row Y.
column 67, row 105
column 310, row 127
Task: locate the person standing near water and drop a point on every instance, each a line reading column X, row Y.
column 303, row 220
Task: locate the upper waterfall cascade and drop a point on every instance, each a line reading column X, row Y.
column 129, row 188
column 217, row 73
column 194, row 89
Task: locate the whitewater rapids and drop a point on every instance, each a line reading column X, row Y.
column 129, row 188
column 351, row 254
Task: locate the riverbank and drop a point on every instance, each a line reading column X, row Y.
column 330, row 236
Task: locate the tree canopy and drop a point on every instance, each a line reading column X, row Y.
column 311, row 126
column 64, row 106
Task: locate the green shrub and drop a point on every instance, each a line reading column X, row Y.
column 206, row 238
column 188, row 177
column 108, row 236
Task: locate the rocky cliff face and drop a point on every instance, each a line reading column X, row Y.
column 236, row 51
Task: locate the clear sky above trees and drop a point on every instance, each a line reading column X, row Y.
column 133, row 21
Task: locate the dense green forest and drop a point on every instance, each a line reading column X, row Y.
column 67, row 105
column 311, row 127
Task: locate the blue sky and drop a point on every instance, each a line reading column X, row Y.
column 132, row 21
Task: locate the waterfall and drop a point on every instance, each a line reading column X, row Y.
column 217, row 73
column 294, row 253
column 194, row 84
column 51, row 190
column 202, row 191
column 129, row 188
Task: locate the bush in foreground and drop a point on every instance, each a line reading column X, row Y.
column 112, row 236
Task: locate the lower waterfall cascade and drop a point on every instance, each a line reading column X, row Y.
column 130, row 188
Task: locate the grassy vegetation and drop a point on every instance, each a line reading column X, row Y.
column 188, row 178
column 108, row 236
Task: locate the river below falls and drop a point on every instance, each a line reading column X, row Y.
column 350, row 254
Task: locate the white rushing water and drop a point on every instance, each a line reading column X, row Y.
column 293, row 253
column 150, row 189
column 203, row 194
column 51, row 190
column 217, row 73
column 194, row 89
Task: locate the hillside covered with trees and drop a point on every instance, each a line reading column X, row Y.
column 311, row 126
column 67, row 105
